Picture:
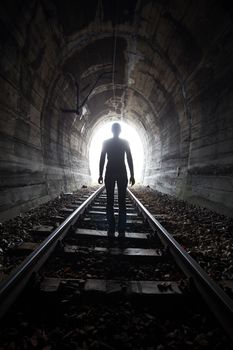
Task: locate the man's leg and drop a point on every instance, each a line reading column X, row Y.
column 122, row 184
column 110, row 185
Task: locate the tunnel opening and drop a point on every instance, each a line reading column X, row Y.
column 129, row 133
column 172, row 83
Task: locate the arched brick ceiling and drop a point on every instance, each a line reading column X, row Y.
column 144, row 67
column 158, row 45
column 172, row 80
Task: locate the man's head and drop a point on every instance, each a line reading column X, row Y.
column 116, row 129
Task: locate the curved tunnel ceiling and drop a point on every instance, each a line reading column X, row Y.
column 145, row 52
column 164, row 66
column 117, row 89
column 152, row 57
column 133, row 47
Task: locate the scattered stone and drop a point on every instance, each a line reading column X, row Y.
column 33, row 226
column 204, row 234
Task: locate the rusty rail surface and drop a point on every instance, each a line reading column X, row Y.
column 217, row 300
column 14, row 284
column 219, row 303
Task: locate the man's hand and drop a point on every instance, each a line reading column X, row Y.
column 132, row 180
column 100, row 180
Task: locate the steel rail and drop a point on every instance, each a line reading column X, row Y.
column 13, row 285
column 218, row 301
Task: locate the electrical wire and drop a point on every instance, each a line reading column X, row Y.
column 114, row 62
column 100, row 13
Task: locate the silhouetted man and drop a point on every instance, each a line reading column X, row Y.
column 116, row 148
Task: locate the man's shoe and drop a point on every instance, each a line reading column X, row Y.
column 121, row 234
column 111, row 234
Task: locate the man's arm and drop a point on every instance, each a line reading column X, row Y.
column 130, row 163
column 101, row 164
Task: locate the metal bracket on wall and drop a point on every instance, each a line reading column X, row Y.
column 79, row 106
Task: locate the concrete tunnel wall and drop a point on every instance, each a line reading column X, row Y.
column 173, row 81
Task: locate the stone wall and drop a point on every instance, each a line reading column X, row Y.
column 196, row 123
column 173, row 79
column 41, row 150
column 210, row 167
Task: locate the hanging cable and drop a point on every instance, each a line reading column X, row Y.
column 114, row 62
column 100, row 14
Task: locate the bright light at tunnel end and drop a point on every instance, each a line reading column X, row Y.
column 128, row 133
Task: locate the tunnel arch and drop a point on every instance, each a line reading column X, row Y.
column 81, row 42
column 150, row 45
column 177, row 55
column 154, row 48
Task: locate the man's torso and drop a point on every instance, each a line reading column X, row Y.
column 116, row 150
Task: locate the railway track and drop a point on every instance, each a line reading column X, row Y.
column 143, row 291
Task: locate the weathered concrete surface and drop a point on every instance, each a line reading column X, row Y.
column 173, row 73
column 42, row 152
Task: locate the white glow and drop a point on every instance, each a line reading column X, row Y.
column 128, row 133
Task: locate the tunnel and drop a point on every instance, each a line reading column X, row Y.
column 69, row 67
